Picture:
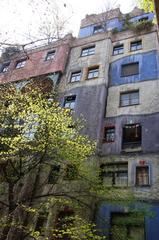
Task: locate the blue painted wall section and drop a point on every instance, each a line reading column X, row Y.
column 111, row 24
column 151, row 219
column 148, row 68
column 150, row 132
column 150, row 17
column 86, row 31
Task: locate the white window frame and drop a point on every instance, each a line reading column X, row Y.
column 88, row 51
column 149, row 175
column 75, row 76
column 20, row 63
column 50, row 55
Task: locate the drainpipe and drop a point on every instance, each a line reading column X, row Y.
column 156, row 4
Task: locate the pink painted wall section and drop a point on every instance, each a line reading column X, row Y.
column 37, row 65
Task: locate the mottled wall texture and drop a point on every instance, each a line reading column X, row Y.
column 97, row 99
column 36, row 62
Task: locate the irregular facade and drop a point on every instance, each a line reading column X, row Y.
column 109, row 76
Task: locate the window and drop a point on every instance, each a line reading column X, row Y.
column 71, row 172
column 93, row 72
column 50, row 55
column 109, row 134
column 132, row 135
column 88, row 51
column 20, row 63
column 115, row 174
column 54, row 174
column 118, row 49
column 98, row 29
column 75, row 77
column 70, row 102
column 41, row 221
column 142, row 176
column 129, row 98
column 127, row 226
column 134, row 46
column 64, row 221
column 143, row 19
column 5, row 67
column 130, row 69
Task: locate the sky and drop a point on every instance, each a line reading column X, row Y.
column 20, row 19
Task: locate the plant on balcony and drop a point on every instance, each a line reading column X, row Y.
column 140, row 26
column 115, row 30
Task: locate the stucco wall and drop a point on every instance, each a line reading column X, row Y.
column 36, row 64
column 149, row 43
column 90, row 94
column 150, row 192
column 148, row 99
column 101, row 58
column 148, row 68
column 109, row 22
column 151, row 222
column 150, row 132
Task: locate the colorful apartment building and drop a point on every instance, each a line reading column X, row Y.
column 109, row 75
column 112, row 79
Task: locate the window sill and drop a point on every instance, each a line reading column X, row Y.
column 49, row 60
column 129, row 105
column 132, row 149
column 87, row 55
column 117, row 54
column 116, row 186
column 74, row 82
column 104, row 141
column 98, row 32
column 1, row 73
column 136, row 50
column 91, row 78
column 143, row 186
column 19, row 68
column 129, row 75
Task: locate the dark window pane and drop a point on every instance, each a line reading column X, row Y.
column 88, row 51
column 20, row 63
column 109, row 135
column 118, row 49
column 132, row 133
column 54, row 174
column 131, row 98
column 75, row 77
column 136, row 45
column 143, row 19
column 50, row 55
column 129, row 69
column 98, row 29
column 70, row 102
column 115, row 174
column 93, row 73
column 5, row 67
column 132, row 136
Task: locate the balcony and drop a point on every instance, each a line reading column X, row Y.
column 132, row 137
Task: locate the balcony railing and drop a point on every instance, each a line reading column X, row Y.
column 131, row 146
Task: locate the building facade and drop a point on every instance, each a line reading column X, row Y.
column 109, row 76
column 112, row 80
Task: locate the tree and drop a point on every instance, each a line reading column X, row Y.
column 147, row 5
column 48, row 23
column 37, row 136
